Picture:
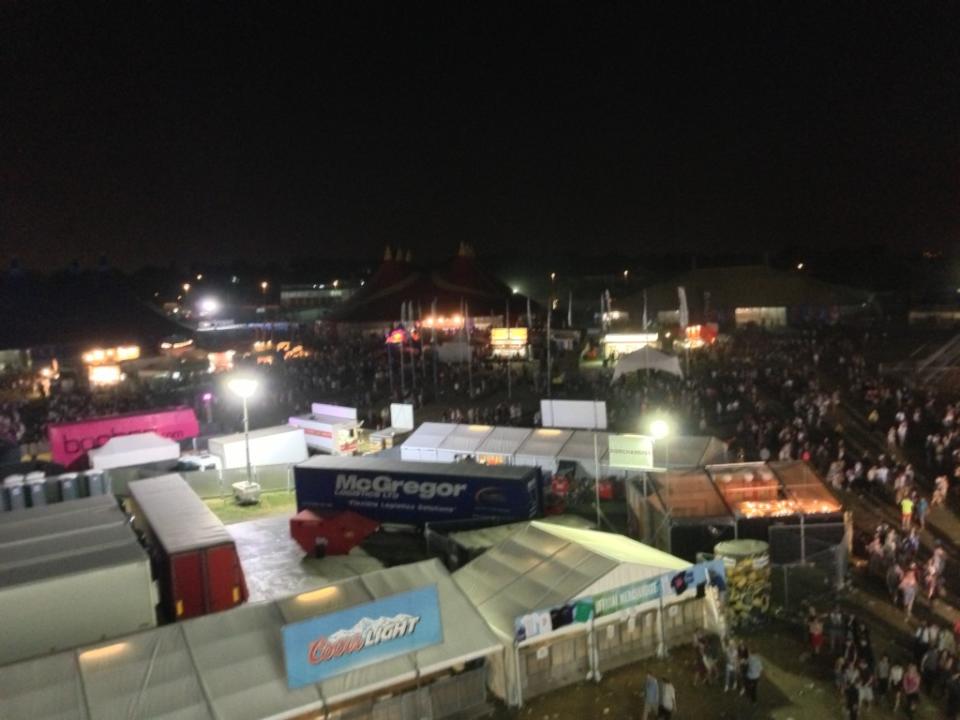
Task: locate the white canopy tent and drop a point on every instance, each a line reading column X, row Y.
column 502, row 444
column 137, row 449
column 647, row 358
column 424, row 442
column 231, row 664
column 464, row 440
column 542, row 447
column 544, row 565
column 580, row 449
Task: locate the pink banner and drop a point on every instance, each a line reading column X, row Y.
column 69, row 442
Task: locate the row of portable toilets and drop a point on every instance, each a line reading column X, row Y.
column 36, row 489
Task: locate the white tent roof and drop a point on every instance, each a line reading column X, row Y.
column 580, row 448
column 466, row 438
column 176, row 515
column 230, row 664
column 648, row 357
column 429, row 435
column 504, row 441
column 544, row 565
column 544, row 442
column 136, row 449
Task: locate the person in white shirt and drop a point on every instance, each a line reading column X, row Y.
column 668, row 699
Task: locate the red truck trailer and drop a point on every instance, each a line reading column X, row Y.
column 196, row 559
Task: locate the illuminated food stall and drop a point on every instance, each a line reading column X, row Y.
column 680, row 512
column 686, row 512
column 508, row 342
column 617, row 344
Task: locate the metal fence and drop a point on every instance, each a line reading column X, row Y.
column 611, row 642
column 461, row 695
column 217, row 483
column 810, row 564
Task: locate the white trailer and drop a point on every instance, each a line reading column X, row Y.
column 279, row 445
column 71, row 574
column 331, row 429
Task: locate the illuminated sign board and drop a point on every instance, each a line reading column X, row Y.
column 338, row 642
column 631, row 451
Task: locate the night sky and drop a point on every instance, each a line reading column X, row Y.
column 153, row 131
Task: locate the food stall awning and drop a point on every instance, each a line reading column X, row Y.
column 802, row 484
column 689, row 494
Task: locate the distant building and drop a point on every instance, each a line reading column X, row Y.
column 312, row 301
column 749, row 294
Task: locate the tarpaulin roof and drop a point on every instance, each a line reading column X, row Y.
column 178, row 518
column 231, row 665
column 647, row 358
column 689, row 451
column 544, row 565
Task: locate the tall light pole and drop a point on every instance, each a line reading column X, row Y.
column 660, row 430
column 244, row 388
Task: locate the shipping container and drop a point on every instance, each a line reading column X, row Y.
column 282, row 445
column 71, row 574
column 195, row 557
column 418, row 492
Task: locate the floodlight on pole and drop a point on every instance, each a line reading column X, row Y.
column 244, row 388
column 660, row 430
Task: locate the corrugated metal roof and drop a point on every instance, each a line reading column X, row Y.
column 176, row 515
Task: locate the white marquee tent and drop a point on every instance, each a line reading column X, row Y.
column 424, row 442
column 231, row 664
column 544, row 565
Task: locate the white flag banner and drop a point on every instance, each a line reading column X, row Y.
column 684, row 311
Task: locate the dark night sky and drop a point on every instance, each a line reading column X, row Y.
column 206, row 131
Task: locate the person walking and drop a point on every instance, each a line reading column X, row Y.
column 651, row 697
column 732, row 666
column 906, row 513
column 911, row 689
column 896, row 684
column 815, row 629
column 908, row 589
column 668, row 699
column 754, row 671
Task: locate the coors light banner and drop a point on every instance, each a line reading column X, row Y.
column 339, row 642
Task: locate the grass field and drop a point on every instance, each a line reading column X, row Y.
column 278, row 502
